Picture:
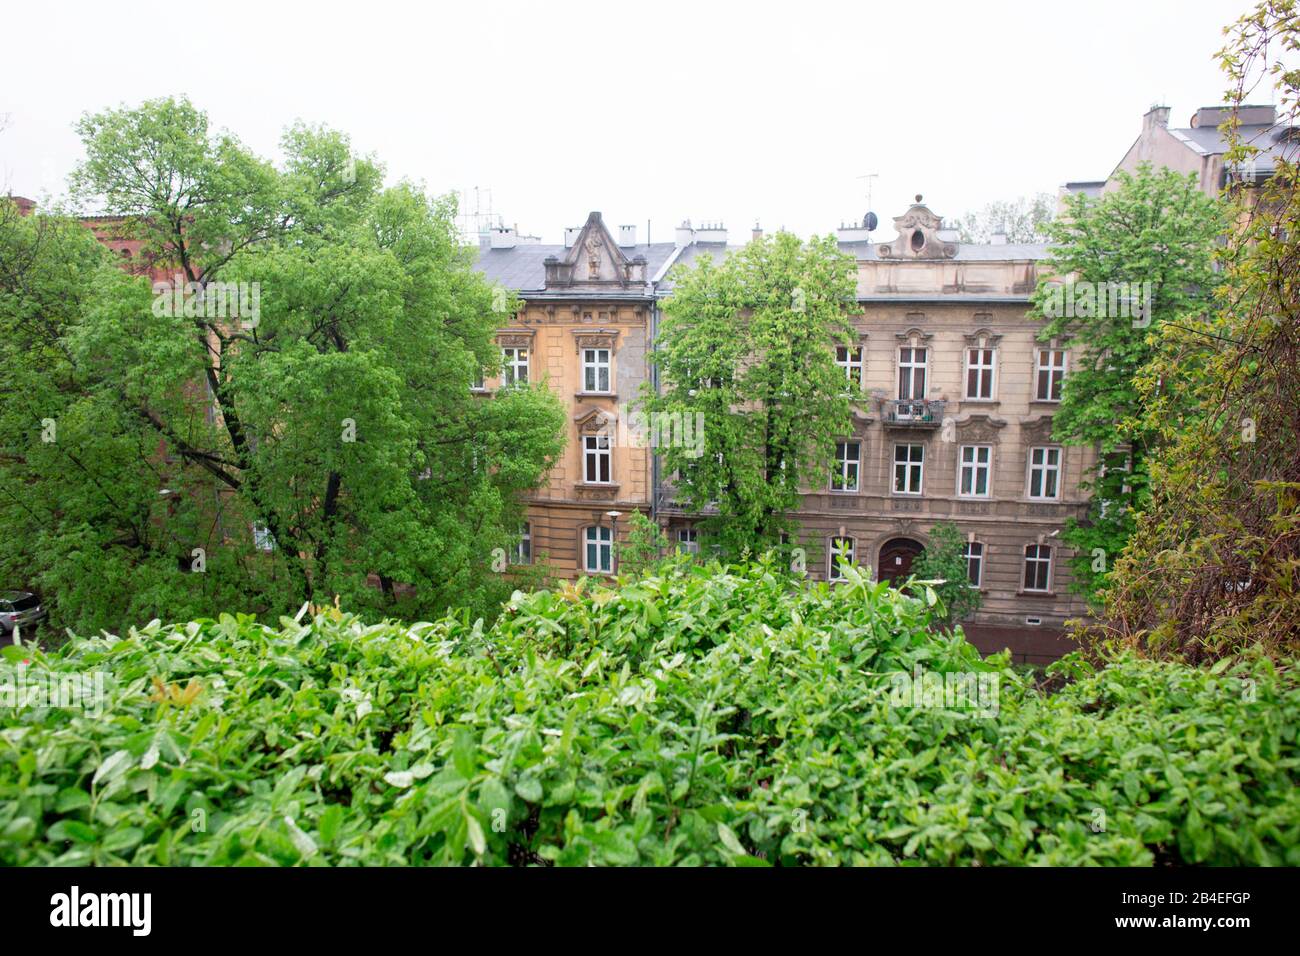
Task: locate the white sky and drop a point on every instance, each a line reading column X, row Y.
column 645, row 111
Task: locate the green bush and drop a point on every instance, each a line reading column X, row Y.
column 700, row 715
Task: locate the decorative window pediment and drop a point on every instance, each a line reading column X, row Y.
column 980, row 429
column 983, row 338
column 1037, row 429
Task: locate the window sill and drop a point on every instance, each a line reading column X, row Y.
column 595, row 394
column 993, row 402
column 1045, row 401
column 1036, row 594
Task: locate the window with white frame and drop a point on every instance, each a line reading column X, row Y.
column 688, row 541
column 263, row 540
column 595, row 458
column 842, row 549
column 1045, row 472
column 974, row 555
column 974, row 471
column 479, row 384
column 911, row 373
column 979, row 373
column 909, row 465
column 599, row 558
column 1038, row 567
column 595, row 370
column 523, row 549
column 849, row 358
column 1051, row 374
column 848, row 464
column 516, row 365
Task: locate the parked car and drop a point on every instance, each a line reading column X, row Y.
column 21, row 608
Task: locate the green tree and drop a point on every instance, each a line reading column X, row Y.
column 1121, row 268
column 1213, row 566
column 746, row 363
column 944, row 561
column 329, row 409
column 1024, row 219
column 645, row 546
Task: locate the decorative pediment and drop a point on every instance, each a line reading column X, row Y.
column 983, row 338
column 914, row 337
column 515, row 338
column 594, row 259
column 594, row 421
column 594, row 339
column 918, row 236
column 1037, row 429
column 979, row 429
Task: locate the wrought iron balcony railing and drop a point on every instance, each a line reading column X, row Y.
column 915, row 413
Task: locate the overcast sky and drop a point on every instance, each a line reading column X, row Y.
column 657, row 111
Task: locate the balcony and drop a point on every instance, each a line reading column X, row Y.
column 914, row 413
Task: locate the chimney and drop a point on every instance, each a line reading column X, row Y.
column 999, row 236
column 504, row 237
column 571, row 236
column 627, row 236
column 1156, row 116
column 684, row 235
column 758, row 232
column 1214, row 116
column 711, row 232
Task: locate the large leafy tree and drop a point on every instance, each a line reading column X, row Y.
column 1214, row 564
column 337, row 417
column 944, row 565
column 1024, row 219
column 746, row 348
column 1139, row 258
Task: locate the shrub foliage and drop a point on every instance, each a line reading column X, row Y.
column 700, row 715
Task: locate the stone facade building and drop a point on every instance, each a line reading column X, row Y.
column 952, row 422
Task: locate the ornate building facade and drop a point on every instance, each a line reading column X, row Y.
column 954, row 400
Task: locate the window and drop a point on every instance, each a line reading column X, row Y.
column 1051, row 373
column 841, row 548
column 595, row 469
column 262, row 538
column 974, row 472
column 974, row 562
column 688, row 541
column 847, row 464
column 911, row 374
column 478, row 384
column 1038, row 567
column 1045, row 473
column 516, row 366
column 979, row 373
column 849, row 358
column 523, row 550
column 600, row 549
column 595, row 370
column 909, row 461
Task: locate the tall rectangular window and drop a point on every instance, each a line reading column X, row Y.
column 911, row 373
column 974, row 555
column 1038, row 567
column 848, row 459
column 849, row 358
column 979, row 373
column 842, row 549
column 974, row 471
column 1051, row 374
column 599, row 542
column 523, row 550
column 688, row 541
column 263, row 540
column 909, row 463
column 1045, row 472
column 595, row 454
column 516, row 366
column 595, row 370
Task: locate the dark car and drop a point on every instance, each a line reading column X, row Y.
column 21, row 608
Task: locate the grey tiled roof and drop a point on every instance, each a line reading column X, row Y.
column 523, row 266
column 1272, row 141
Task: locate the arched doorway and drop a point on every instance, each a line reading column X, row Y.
column 896, row 557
